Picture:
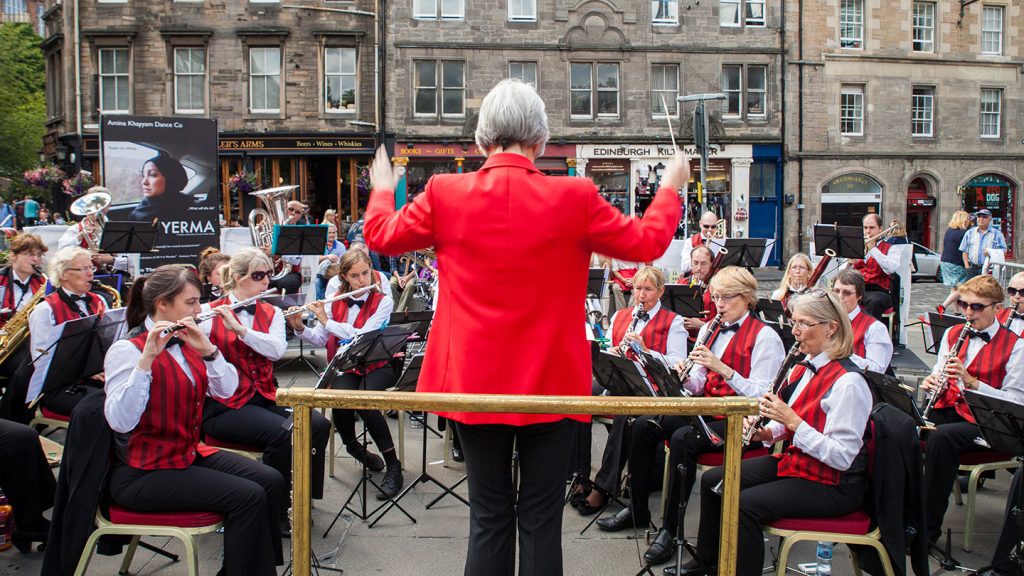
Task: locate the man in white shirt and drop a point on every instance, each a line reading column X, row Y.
column 708, row 224
column 978, row 241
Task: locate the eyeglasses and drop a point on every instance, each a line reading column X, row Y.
column 1014, row 291
column 83, row 269
column 801, row 326
column 842, row 293
column 975, row 306
column 259, row 275
column 708, row 226
column 723, row 297
column 816, row 293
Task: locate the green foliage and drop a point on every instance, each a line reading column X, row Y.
column 22, row 98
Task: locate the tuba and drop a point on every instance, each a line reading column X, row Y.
column 263, row 220
column 91, row 207
column 15, row 331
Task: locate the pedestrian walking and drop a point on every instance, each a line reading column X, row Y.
column 952, row 261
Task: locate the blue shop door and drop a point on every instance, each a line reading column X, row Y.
column 764, row 206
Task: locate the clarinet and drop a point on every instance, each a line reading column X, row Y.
column 944, row 382
column 623, row 346
column 705, row 340
column 1009, row 317
column 777, row 385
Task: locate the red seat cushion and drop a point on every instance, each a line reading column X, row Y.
column 120, row 515
column 975, row 457
column 718, row 458
column 215, row 443
column 854, row 523
column 889, row 311
column 47, row 413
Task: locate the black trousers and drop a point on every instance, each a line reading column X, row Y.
column 25, row 476
column 261, row 423
column 494, row 511
column 248, row 494
column 685, row 447
column 876, row 301
column 647, row 439
column 951, row 436
column 765, row 496
column 17, row 371
column 613, row 460
column 64, row 400
column 376, row 424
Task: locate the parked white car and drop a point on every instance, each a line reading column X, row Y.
column 925, row 264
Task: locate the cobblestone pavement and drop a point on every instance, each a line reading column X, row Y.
column 435, row 545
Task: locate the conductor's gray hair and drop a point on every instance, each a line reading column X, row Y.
column 512, row 113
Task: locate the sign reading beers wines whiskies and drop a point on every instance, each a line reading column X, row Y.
column 164, row 169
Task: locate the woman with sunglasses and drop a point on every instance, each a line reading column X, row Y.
column 252, row 338
column 740, row 359
column 71, row 272
column 990, row 362
column 823, row 471
column 338, row 326
column 708, row 225
column 871, row 340
column 156, row 385
column 1012, row 317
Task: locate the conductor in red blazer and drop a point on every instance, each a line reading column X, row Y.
column 502, row 328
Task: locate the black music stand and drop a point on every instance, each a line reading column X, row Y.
column 771, row 311
column 937, row 326
column 687, row 301
column 299, row 240
column 366, row 349
column 80, row 350
column 746, row 253
column 893, row 391
column 408, row 383
column 210, row 293
column 597, row 282
column 128, row 237
column 421, row 319
column 284, row 303
column 846, row 241
column 785, row 332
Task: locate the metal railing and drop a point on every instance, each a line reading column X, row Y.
column 304, row 400
column 1003, row 271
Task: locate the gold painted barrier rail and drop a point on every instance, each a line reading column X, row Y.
column 305, row 399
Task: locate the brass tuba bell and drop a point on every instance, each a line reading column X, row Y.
column 263, row 220
column 91, row 207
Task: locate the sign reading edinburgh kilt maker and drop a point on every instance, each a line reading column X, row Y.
column 164, row 169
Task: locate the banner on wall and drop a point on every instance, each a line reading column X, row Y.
column 164, row 169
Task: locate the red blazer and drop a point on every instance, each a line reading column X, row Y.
column 501, row 327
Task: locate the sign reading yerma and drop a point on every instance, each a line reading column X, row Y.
column 164, row 170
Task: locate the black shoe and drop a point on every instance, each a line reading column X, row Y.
column 392, row 482
column 364, row 456
column 457, row 454
column 23, row 539
column 623, row 520
column 661, row 550
column 692, row 568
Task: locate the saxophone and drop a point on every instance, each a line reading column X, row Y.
column 15, row 331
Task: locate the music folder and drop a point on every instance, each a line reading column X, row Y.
column 846, row 241
column 411, row 375
column 1001, row 422
column 893, row 391
column 299, row 240
column 685, row 300
column 128, row 237
column 620, row 376
column 80, row 349
column 421, row 319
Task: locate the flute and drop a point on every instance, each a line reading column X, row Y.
column 204, row 316
column 359, row 292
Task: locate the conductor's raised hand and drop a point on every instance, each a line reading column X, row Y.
column 382, row 174
column 677, row 173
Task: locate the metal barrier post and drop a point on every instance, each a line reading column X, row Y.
column 305, row 399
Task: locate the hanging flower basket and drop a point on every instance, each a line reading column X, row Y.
column 45, row 177
column 243, row 182
column 78, row 184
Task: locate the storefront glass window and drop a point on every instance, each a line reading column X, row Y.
column 999, row 195
column 612, row 180
column 419, row 171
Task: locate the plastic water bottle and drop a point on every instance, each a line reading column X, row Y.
column 6, row 523
column 824, row 567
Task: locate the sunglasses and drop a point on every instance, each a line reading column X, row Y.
column 707, row 227
column 258, row 275
column 1014, row 291
column 975, row 306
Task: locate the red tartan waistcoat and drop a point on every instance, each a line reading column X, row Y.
column 62, row 312
column 655, row 333
column 697, row 240
column 794, row 462
column 736, row 355
column 167, row 435
column 339, row 312
column 872, row 271
column 1003, row 316
column 989, row 366
column 860, row 323
column 35, row 282
column 255, row 371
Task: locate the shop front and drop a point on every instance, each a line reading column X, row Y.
column 999, row 195
column 422, row 160
column 628, row 176
column 330, row 170
column 846, row 198
column 920, row 211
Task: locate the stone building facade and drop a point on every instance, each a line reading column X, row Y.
column 24, row 12
column 293, row 88
column 913, row 109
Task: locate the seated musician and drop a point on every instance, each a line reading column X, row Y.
column 76, row 234
column 657, row 329
column 210, row 263
column 71, row 272
column 739, row 360
column 403, row 275
column 823, row 470
column 708, row 225
column 252, row 338
column 378, row 277
column 19, row 282
column 1012, row 317
column 798, row 273
column 621, row 286
column 333, row 251
column 291, row 282
column 338, row 325
column 700, row 268
column 870, row 337
column 156, row 386
column 877, row 267
column 991, row 361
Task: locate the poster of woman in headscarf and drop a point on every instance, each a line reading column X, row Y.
column 164, row 170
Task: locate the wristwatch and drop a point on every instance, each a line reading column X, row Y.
column 213, row 356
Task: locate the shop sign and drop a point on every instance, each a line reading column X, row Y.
column 638, row 151
column 923, row 202
column 296, row 144
column 467, row 150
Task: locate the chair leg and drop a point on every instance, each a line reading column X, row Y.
column 87, row 552
column 972, row 495
column 957, row 496
column 129, row 554
column 401, row 439
column 664, row 483
column 190, row 553
column 448, row 445
column 787, row 543
column 330, row 447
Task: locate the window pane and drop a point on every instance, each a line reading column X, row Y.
column 755, row 77
column 579, row 76
column 732, row 88
column 922, row 111
column 525, row 71
column 121, row 61
column 332, row 60
column 664, row 88
column 426, row 101
column 608, row 103
column 424, row 9
column 522, row 9
column 181, row 60
column 852, row 110
column 451, row 8
column 452, row 75
column 924, row 26
column 665, row 11
column 106, row 61
column 990, row 112
column 452, row 102
column 992, row 30
column 426, row 74
column 198, row 63
column 580, row 105
column 755, row 13
column 851, row 24
column 122, row 93
column 729, row 12
column 607, row 75
column 257, row 61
